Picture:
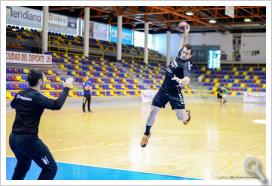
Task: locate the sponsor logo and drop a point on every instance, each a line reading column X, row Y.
column 58, row 19
column 23, row 14
column 24, row 98
column 174, row 64
column 190, row 66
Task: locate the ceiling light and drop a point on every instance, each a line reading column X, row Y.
column 138, row 17
column 247, row 20
column 189, row 13
column 213, row 21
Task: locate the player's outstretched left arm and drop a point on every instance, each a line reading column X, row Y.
column 187, row 75
column 55, row 104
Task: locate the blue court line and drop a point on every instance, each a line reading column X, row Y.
column 67, row 171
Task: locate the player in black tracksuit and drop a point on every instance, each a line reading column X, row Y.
column 177, row 75
column 29, row 105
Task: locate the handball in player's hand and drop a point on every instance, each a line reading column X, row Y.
column 68, row 83
column 182, row 26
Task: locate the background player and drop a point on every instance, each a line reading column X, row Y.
column 29, row 105
column 222, row 95
column 87, row 87
column 177, row 75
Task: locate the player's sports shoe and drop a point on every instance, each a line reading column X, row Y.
column 145, row 140
column 188, row 120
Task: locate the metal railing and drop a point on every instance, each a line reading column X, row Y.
column 32, row 44
column 56, row 44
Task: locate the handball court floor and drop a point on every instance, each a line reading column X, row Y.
column 105, row 144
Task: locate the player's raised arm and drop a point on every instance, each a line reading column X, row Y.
column 185, row 38
column 55, row 104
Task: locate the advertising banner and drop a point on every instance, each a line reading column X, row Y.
column 28, row 58
column 21, row 16
column 100, row 31
column 148, row 95
column 127, row 35
column 26, row 17
column 62, row 24
column 254, row 97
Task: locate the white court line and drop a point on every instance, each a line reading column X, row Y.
column 260, row 121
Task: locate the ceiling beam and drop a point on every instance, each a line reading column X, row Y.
column 117, row 10
column 65, row 7
column 182, row 9
column 236, row 17
column 99, row 9
column 171, row 11
column 143, row 13
column 252, row 14
column 169, row 16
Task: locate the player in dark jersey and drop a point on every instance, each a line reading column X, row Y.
column 87, row 87
column 29, row 105
column 221, row 95
column 178, row 74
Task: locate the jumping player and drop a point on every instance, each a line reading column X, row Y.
column 177, row 75
column 29, row 105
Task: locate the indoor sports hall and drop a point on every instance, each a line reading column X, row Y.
column 124, row 52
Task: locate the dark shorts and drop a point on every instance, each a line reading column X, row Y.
column 219, row 96
column 163, row 97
